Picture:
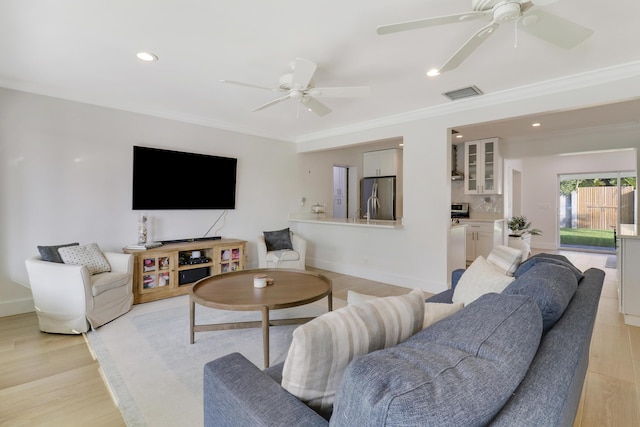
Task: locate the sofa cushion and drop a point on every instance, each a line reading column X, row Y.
column 505, row 259
column 278, row 240
column 457, row 372
column 551, row 286
column 433, row 311
column 51, row 254
column 279, row 256
column 89, row 256
column 480, row 278
column 550, row 259
column 104, row 282
column 322, row 348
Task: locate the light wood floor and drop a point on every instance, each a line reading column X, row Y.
column 53, row 380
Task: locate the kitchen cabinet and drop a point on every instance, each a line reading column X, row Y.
column 381, row 163
column 482, row 237
column 483, row 167
column 628, row 271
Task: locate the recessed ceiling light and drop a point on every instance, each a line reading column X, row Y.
column 459, row 135
column 536, row 124
column 433, row 72
column 146, row 56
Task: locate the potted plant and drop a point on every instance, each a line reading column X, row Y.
column 520, row 225
column 520, row 233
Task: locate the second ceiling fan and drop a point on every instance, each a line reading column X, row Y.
column 531, row 19
column 299, row 85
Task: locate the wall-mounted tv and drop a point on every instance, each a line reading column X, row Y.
column 166, row 179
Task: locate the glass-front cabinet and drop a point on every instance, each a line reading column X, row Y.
column 483, row 167
column 156, row 271
column 230, row 258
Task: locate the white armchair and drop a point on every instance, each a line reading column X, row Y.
column 69, row 300
column 284, row 258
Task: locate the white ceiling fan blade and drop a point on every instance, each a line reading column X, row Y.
column 270, row 103
column 554, row 29
column 431, row 22
column 341, row 92
column 467, row 49
column 248, row 85
column 316, row 106
column 303, row 71
column 544, row 2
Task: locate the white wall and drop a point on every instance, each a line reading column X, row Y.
column 49, row 198
column 66, row 176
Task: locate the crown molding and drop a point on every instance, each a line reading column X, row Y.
column 554, row 86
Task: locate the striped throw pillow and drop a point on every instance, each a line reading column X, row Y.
column 322, row 348
column 433, row 311
column 506, row 259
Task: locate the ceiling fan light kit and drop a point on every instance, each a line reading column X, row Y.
column 535, row 21
column 300, row 87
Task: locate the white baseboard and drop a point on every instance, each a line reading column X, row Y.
column 18, row 306
column 425, row 283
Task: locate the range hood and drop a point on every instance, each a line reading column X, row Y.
column 455, row 174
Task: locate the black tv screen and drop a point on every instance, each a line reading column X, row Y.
column 166, row 179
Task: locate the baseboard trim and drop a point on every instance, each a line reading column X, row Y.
column 17, row 306
column 424, row 283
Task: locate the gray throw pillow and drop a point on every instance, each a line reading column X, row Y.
column 549, row 259
column 551, row 286
column 51, row 254
column 278, row 240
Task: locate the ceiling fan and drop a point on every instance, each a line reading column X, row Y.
column 533, row 20
column 298, row 85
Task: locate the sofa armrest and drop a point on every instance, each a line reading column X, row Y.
column 57, row 287
column 237, row 393
column 299, row 245
column 262, row 252
column 120, row 263
column 455, row 276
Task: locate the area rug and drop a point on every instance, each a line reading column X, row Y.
column 611, row 262
column 156, row 375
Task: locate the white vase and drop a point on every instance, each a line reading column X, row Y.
column 523, row 243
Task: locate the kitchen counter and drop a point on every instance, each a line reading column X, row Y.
column 481, row 219
column 350, row 222
column 628, row 274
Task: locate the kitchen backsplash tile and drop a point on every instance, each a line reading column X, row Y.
column 478, row 204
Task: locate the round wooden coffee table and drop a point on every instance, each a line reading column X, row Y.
column 235, row 291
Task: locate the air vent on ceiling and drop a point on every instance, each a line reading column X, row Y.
column 465, row 92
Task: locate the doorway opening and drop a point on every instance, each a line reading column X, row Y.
column 594, row 208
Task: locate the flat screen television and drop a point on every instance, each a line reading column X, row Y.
column 166, row 179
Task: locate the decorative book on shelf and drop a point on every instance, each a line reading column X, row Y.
column 149, row 245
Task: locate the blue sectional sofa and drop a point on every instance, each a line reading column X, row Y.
column 515, row 358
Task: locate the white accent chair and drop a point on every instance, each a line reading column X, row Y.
column 69, row 300
column 285, row 258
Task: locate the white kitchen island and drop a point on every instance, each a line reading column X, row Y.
column 457, row 249
column 628, row 271
column 350, row 222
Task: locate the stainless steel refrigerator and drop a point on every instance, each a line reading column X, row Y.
column 378, row 197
